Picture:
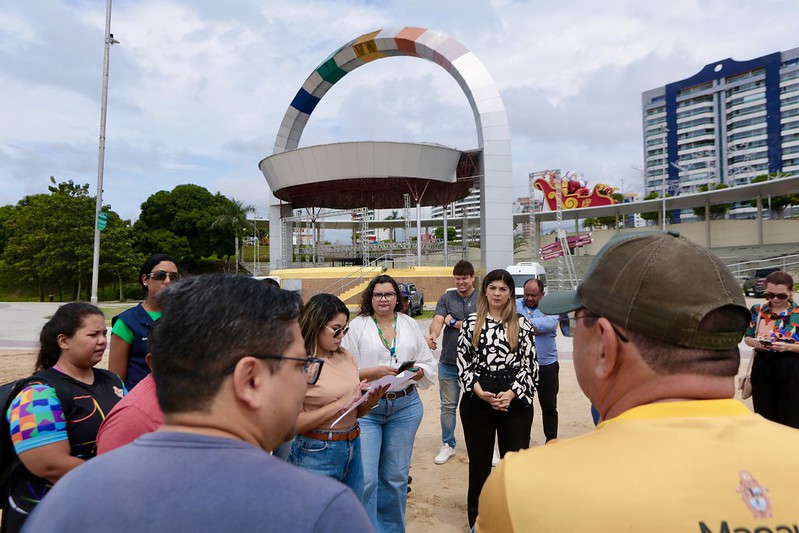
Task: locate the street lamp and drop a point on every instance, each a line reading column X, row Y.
column 109, row 40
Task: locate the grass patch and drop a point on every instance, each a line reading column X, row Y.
column 425, row 315
column 112, row 310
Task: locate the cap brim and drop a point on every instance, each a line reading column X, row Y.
column 559, row 302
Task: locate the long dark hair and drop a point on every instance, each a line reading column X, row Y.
column 148, row 266
column 366, row 297
column 316, row 313
column 66, row 321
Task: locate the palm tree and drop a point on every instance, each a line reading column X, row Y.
column 234, row 217
column 393, row 231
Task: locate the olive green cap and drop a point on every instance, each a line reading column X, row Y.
column 657, row 284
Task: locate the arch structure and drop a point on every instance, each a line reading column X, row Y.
column 493, row 132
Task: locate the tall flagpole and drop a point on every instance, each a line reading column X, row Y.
column 109, row 40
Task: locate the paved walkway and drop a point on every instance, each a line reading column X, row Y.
column 21, row 323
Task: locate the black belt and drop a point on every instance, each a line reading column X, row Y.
column 400, row 394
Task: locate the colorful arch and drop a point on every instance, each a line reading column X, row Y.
column 493, row 131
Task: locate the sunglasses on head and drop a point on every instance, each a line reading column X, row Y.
column 161, row 275
column 338, row 331
column 777, row 295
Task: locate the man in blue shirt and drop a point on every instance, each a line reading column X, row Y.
column 545, row 328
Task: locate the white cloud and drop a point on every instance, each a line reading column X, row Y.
column 198, row 87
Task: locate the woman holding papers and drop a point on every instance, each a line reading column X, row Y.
column 381, row 339
column 498, row 371
column 324, row 444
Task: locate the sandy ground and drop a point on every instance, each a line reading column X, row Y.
column 437, row 501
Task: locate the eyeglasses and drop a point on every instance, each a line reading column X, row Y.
column 383, row 295
column 312, row 366
column 161, row 275
column 573, row 325
column 777, row 295
column 338, row 331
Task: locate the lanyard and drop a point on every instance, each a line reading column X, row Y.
column 393, row 348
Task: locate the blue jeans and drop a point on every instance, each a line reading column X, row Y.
column 387, row 435
column 449, row 389
column 340, row 459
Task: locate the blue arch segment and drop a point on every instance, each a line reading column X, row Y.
column 304, row 102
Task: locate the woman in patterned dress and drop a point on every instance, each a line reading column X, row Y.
column 498, row 371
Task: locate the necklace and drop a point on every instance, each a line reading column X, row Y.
column 392, row 348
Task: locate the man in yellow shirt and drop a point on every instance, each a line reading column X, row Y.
column 656, row 323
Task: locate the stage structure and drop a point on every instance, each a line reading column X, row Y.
column 378, row 174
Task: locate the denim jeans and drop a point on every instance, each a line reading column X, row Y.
column 339, row 459
column 387, row 435
column 449, row 389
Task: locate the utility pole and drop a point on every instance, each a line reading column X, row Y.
column 109, row 40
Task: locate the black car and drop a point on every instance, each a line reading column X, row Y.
column 755, row 282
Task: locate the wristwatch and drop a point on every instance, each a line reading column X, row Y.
column 453, row 322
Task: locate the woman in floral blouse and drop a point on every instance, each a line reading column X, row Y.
column 774, row 334
column 498, row 371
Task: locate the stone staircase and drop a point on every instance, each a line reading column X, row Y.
column 353, row 291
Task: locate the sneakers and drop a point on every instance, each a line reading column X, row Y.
column 444, row 454
column 495, row 459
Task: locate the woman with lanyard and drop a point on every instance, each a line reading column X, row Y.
column 498, row 370
column 381, row 339
column 129, row 329
column 774, row 334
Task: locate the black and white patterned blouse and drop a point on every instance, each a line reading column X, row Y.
column 493, row 354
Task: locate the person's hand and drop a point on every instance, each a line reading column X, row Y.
column 382, row 371
column 783, row 347
column 375, row 395
column 502, row 400
column 431, row 341
column 765, row 344
column 419, row 373
column 487, row 397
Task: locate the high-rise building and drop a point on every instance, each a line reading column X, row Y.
column 728, row 123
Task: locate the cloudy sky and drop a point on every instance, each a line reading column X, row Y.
column 198, row 87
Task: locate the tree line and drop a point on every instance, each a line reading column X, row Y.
column 46, row 240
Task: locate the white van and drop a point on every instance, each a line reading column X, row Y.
column 525, row 270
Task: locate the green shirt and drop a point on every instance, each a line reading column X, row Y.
column 122, row 330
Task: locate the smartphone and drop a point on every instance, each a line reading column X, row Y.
column 766, row 342
column 407, row 365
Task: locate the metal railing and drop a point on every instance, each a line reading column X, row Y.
column 367, row 270
column 787, row 263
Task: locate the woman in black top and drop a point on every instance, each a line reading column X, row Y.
column 55, row 418
column 498, row 371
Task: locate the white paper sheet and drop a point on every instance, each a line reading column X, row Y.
column 393, row 382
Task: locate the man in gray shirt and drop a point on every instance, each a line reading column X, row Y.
column 451, row 309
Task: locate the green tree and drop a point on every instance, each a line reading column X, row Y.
column 717, row 212
column 654, row 215
column 234, row 218
column 778, row 203
column 393, row 231
column 180, row 223
column 452, row 234
column 119, row 260
column 51, row 237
